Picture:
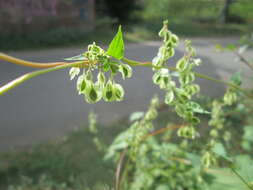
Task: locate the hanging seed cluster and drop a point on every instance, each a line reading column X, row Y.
column 217, row 121
column 178, row 97
column 103, row 86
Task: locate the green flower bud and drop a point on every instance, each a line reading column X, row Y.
column 73, row 72
column 230, row 98
column 92, row 93
column 208, row 159
column 187, row 132
column 187, row 78
column 214, row 133
column 88, row 75
column 101, row 79
column 169, row 97
column 118, row 92
column 155, row 101
column 108, row 92
column 194, row 120
column 182, row 64
column 125, row 70
column 174, row 39
column 227, row 136
column 81, row 84
column 157, row 78
column 151, row 114
column 114, row 68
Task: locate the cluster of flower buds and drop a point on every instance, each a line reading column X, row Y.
column 108, row 90
column 143, row 125
column 208, row 159
column 167, row 50
column 179, row 97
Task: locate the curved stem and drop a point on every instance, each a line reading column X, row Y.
column 149, row 64
column 28, row 76
column 62, row 65
column 22, row 62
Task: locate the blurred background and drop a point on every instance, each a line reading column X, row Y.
column 47, row 23
column 51, row 30
column 48, row 107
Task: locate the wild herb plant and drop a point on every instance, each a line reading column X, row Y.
column 144, row 161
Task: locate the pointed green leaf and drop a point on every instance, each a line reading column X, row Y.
column 116, row 47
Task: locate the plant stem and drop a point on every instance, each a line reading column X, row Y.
column 28, row 76
column 17, row 61
column 62, row 65
column 241, row 178
column 149, row 64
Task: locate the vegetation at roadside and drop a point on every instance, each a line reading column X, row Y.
column 209, row 140
column 187, row 18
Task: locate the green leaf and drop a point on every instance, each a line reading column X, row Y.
column 248, row 133
column 76, row 58
column 236, row 78
column 116, row 47
column 220, row 150
column 231, row 47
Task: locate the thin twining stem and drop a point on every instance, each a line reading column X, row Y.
column 32, row 64
column 62, row 65
column 149, row 64
column 243, row 59
column 30, row 75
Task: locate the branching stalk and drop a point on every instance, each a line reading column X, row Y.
column 62, row 65
column 30, row 75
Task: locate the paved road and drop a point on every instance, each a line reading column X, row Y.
column 48, row 106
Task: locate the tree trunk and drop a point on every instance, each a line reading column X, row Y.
column 224, row 17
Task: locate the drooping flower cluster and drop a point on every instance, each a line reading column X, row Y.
column 101, row 88
column 178, row 97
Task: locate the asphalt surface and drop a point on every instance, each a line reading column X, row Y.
column 48, row 106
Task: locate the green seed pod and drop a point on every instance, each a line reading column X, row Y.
column 118, row 92
column 114, row 68
column 92, row 93
column 81, row 84
column 169, row 97
column 73, row 72
column 190, row 132
column 206, row 159
column 125, row 70
column 171, row 53
column 151, row 114
column 155, row 101
column 174, row 39
column 214, row 133
column 101, row 79
column 180, row 110
column 194, row 120
column 230, row 98
column 108, row 92
column 187, row 132
column 227, row 136
column 89, row 75
column 157, row 78
column 182, row 64
column 187, row 78
column 194, row 88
